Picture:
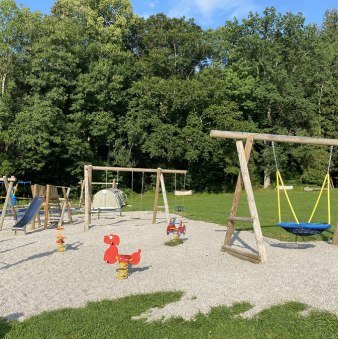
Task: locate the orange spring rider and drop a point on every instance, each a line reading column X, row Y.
column 60, row 240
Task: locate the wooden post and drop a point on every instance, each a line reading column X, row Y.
column 46, row 207
column 165, row 199
column 10, row 188
column 157, row 192
column 65, row 206
column 251, row 200
column 88, row 195
column 237, row 195
column 81, row 194
column 34, row 194
column 4, row 208
column 335, row 235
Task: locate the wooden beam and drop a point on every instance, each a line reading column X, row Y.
column 165, row 199
column 11, row 202
column 335, row 235
column 46, row 207
column 8, row 200
column 130, row 169
column 273, row 137
column 88, row 195
column 237, row 196
column 109, row 183
column 241, row 219
column 254, row 258
column 251, row 200
column 11, row 179
column 157, row 192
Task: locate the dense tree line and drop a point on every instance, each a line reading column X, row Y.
column 94, row 83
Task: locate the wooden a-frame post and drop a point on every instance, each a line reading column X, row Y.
column 335, row 235
column 244, row 179
column 8, row 201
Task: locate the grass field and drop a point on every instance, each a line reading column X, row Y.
column 216, row 207
column 113, row 319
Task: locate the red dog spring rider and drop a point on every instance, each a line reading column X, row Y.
column 176, row 230
column 112, row 255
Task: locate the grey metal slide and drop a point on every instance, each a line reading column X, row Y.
column 32, row 209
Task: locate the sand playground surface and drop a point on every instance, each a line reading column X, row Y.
column 36, row 278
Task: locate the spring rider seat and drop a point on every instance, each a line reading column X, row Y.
column 112, row 255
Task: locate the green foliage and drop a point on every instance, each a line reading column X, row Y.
column 93, row 83
column 108, row 319
column 174, row 242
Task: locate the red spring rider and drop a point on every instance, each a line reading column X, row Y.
column 112, row 255
column 176, row 230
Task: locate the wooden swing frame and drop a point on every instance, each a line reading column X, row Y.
column 244, row 180
column 160, row 184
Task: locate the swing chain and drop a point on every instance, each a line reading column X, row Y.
column 274, row 155
column 330, row 159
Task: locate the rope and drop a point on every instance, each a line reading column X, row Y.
column 274, row 154
column 142, row 190
column 184, row 181
column 279, row 179
column 175, row 199
column 326, row 181
column 131, row 194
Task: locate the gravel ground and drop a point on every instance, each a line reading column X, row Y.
column 35, row 278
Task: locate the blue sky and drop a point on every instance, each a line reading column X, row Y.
column 213, row 13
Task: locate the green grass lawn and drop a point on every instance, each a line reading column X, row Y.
column 112, row 319
column 216, row 208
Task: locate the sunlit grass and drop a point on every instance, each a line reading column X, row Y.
column 215, row 208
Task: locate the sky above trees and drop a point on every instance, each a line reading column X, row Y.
column 213, row 13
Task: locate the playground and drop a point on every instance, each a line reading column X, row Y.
column 110, row 250
column 52, row 281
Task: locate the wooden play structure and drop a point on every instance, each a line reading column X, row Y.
column 244, row 180
column 160, row 184
column 53, row 200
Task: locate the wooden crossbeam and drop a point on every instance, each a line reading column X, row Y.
column 273, row 137
column 244, row 255
column 241, row 219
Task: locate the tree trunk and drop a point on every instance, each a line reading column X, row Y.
column 3, row 81
column 267, row 178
